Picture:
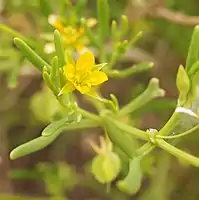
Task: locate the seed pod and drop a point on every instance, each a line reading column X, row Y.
column 106, row 167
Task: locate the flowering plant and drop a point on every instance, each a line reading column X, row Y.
column 64, row 74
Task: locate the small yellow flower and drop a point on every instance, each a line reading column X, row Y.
column 83, row 75
column 72, row 36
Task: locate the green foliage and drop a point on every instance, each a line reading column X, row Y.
column 183, row 84
column 63, row 112
column 132, row 182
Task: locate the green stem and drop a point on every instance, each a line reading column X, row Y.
column 171, row 123
column 149, row 94
column 85, row 113
column 112, row 61
column 102, row 54
column 130, row 71
column 178, row 135
column 89, row 115
column 85, row 123
column 145, row 149
column 177, row 152
column 131, row 130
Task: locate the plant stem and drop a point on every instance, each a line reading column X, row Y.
column 178, row 135
column 145, row 149
column 149, row 94
column 132, row 130
column 177, row 152
column 89, row 115
column 171, row 123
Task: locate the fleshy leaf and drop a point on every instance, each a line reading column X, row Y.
column 132, row 182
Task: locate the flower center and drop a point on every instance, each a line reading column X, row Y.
column 71, row 35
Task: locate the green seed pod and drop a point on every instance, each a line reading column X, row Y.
column 119, row 138
column 132, row 182
column 106, row 167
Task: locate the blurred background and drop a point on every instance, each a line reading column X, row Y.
column 60, row 171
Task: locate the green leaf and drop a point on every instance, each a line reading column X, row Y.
column 47, row 79
column 119, row 138
column 124, row 25
column 100, row 66
column 153, row 91
column 106, row 167
column 33, row 146
column 103, row 18
column 89, row 33
column 59, row 48
column 193, row 49
column 135, row 38
column 12, row 80
column 55, row 74
column 115, row 101
column 80, row 5
column 138, row 68
column 14, row 33
column 194, row 85
column 30, row 54
column 45, row 7
column 183, row 84
column 132, row 182
column 114, row 31
column 194, row 69
column 55, row 126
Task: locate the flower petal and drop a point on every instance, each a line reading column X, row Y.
column 83, row 88
column 85, row 62
column 97, row 78
column 94, row 93
column 79, row 47
column 69, row 71
column 67, row 88
column 56, row 22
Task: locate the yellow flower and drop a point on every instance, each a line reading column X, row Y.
column 72, row 36
column 83, row 75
